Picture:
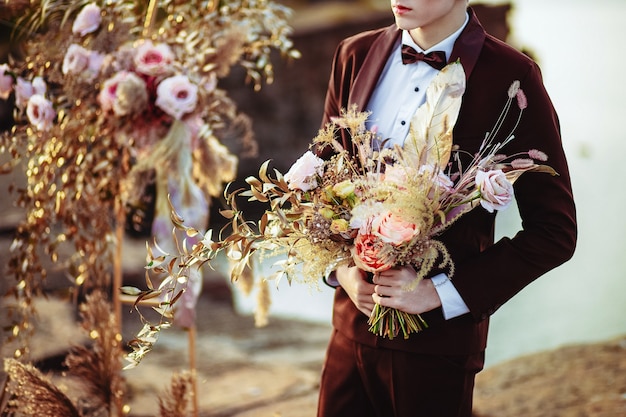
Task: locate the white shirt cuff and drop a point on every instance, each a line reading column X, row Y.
column 451, row 302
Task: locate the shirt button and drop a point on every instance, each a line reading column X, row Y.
column 416, row 89
column 403, row 123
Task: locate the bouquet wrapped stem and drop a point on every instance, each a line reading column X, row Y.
column 389, row 322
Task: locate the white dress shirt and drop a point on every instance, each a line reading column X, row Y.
column 400, row 90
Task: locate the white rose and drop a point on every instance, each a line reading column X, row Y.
column 40, row 112
column 88, row 20
column 496, row 191
column 302, row 174
column 177, row 96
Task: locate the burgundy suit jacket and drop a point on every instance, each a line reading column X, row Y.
column 487, row 273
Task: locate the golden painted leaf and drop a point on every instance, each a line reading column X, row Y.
column 430, row 134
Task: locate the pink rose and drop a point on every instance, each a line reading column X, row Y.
column 391, row 228
column 88, row 20
column 153, row 59
column 177, row 96
column 40, row 112
column 366, row 253
column 302, row 174
column 496, row 191
column 6, row 82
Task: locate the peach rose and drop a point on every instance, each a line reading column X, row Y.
column 366, row 253
column 496, row 191
column 391, row 228
column 302, row 174
column 40, row 112
column 88, row 20
column 177, row 96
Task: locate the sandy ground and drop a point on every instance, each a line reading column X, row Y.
column 243, row 371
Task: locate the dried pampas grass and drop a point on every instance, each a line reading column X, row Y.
column 32, row 394
column 174, row 403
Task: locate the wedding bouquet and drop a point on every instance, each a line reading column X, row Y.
column 373, row 206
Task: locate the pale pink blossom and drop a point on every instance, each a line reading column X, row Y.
column 40, row 112
column 88, row 20
column 304, row 172
column 177, row 96
column 6, row 82
column 153, row 59
column 496, row 191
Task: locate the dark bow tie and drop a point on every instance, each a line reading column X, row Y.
column 436, row 59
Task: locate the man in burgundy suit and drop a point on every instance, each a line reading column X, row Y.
column 431, row 374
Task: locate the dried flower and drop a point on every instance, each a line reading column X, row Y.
column 538, row 155
column 522, row 103
column 513, row 89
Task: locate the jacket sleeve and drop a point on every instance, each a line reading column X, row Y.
column 546, row 206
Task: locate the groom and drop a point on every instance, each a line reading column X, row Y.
column 431, row 373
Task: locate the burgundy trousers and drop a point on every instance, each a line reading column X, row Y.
column 364, row 381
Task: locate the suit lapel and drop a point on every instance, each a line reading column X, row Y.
column 373, row 65
column 469, row 44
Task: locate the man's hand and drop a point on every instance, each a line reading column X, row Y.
column 354, row 282
column 390, row 290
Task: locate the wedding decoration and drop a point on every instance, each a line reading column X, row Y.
column 111, row 97
column 374, row 206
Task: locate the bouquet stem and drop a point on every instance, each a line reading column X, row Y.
column 389, row 322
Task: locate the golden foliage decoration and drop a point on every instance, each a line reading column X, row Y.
column 78, row 171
